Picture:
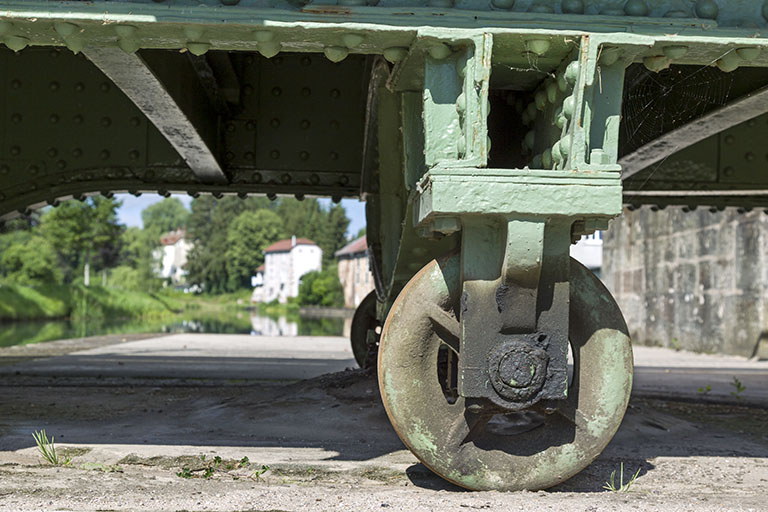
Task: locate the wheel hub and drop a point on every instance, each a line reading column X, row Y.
column 518, row 368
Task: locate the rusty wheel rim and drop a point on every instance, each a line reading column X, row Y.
column 363, row 321
column 461, row 446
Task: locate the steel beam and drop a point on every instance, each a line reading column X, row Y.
column 134, row 77
column 736, row 112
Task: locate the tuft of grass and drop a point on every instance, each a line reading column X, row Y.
column 48, row 449
column 610, row 485
column 257, row 474
column 705, row 390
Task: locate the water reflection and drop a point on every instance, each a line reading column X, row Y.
column 243, row 322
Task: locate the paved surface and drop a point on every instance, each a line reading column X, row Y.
column 132, row 413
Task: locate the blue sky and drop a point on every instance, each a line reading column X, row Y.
column 130, row 213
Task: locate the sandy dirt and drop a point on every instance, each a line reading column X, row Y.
column 325, row 444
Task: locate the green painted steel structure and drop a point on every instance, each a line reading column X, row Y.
column 495, row 131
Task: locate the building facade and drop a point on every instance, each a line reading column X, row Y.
column 354, row 271
column 695, row 280
column 174, row 256
column 284, row 264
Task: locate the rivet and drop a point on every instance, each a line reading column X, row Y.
column 305, row 124
column 133, row 154
column 541, row 100
column 74, row 44
column 749, row 157
column 271, row 196
column 53, row 119
column 53, row 202
column 542, row 8
column 537, row 46
column 33, row 170
column 573, row 7
column 104, row 87
column 336, row 199
column 77, row 152
column 395, row 54
column 706, row 9
column 4, row 169
column 336, row 53
column 79, row 87
column 335, row 93
column 229, row 156
column 636, row 8
column 503, row 4
column 748, row 54
column 274, row 122
column 106, row 122
column 656, row 63
column 565, row 146
column 314, row 179
column 729, row 171
column 276, row 91
column 461, row 104
column 306, row 92
column 335, row 124
column 344, row 179
column 439, row 51
column 15, row 84
column 249, row 155
column 135, row 121
column 196, row 48
column 572, row 72
column 531, row 110
column 569, row 105
column 530, row 139
column 551, row 92
column 256, row 177
column 16, row 43
column 304, row 155
column 230, row 127
column 556, row 155
column 53, row 86
column 104, row 155
column 728, row 62
column 78, row 119
column 729, row 139
column 285, row 178
column 274, row 154
column 16, row 118
column 299, row 197
column 352, row 40
column 334, row 155
column 15, row 150
column 675, row 52
column 751, row 123
column 270, row 49
column 125, row 30
column 250, row 125
column 609, row 55
column 546, row 159
column 52, row 152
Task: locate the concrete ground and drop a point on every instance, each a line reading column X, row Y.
column 144, row 418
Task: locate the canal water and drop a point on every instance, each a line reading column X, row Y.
column 22, row 333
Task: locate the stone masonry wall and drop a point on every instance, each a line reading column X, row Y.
column 692, row 280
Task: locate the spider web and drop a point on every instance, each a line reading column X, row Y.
column 655, row 103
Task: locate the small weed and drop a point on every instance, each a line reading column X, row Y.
column 244, row 462
column 208, row 472
column 736, row 383
column 257, row 474
column 704, row 390
column 610, row 485
column 48, row 449
column 185, row 473
column 675, row 343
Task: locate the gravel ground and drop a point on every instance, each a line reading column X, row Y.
column 325, row 444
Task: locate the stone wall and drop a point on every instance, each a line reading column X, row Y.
column 692, row 280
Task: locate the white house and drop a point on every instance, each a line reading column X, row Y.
column 174, row 255
column 354, row 271
column 589, row 251
column 284, row 264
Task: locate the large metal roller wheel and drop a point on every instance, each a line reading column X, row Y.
column 532, row 449
column 364, row 320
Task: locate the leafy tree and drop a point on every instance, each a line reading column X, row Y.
column 139, row 255
column 166, row 215
column 207, row 228
column 83, row 232
column 360, row 233
column 327, row 228
column 321, row 289
column 29, row 259
column 247, row 236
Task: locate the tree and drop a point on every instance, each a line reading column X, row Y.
column 83, row 232
column 166, row 215
column 321, row 289
column 138, row 255
column 207, row 228
column 247, row 236
column 29, row 259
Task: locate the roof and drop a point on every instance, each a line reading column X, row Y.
column 354, row 247
column 261, row 268
column 288, row 244
column 172, row 237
